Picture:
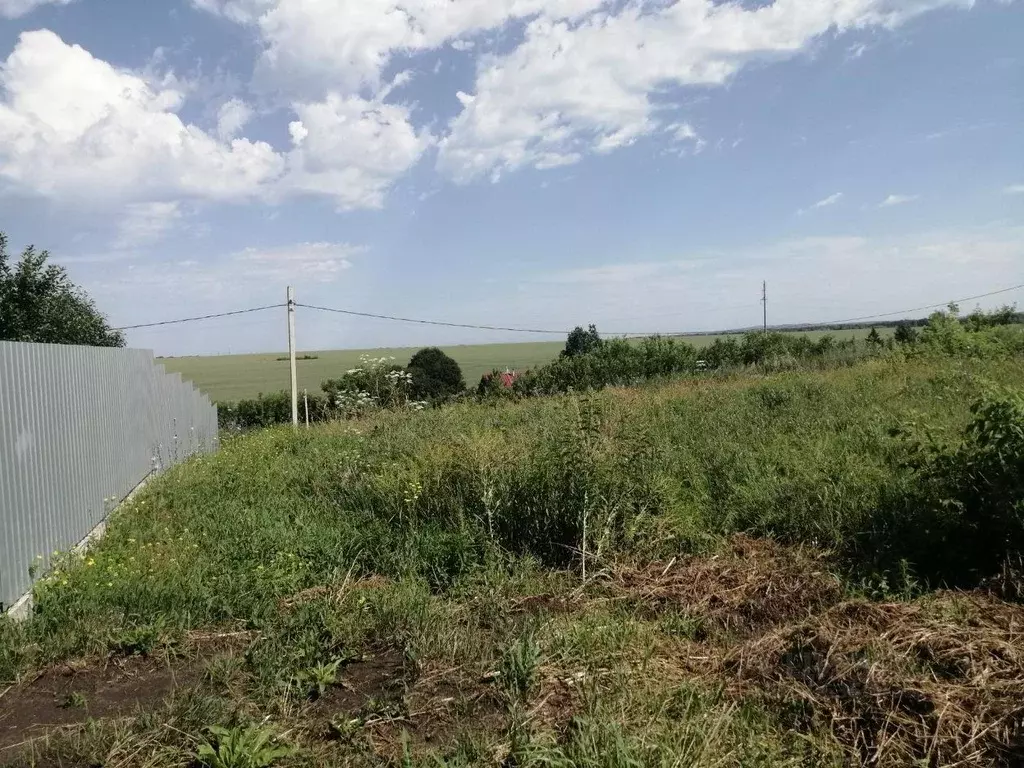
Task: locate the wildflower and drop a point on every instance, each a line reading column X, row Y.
column 110, row 583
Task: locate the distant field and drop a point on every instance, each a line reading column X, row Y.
column 234, row 377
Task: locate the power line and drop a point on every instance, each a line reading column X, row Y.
column 427, row 322
column 417, row 321
column 921, row 309
column 201, row 317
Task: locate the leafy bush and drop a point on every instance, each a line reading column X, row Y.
column 964, row 518
column 435, row 376
column 582, row 342
column 377, row 383
column 269, row 410
column 905, row 334
column 497, row 385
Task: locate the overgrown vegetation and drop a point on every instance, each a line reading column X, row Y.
column 749, row 568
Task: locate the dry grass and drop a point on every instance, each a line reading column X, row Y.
column 752, row 584
column 939, row 682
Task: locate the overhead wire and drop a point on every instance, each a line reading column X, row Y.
column 426, row 322
column 474, row 326
column 200, row 317
column 921, row 309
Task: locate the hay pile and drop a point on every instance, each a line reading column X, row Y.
column 752, row 585
column 938, row 682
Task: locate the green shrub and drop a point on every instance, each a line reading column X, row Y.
column 582, row 342
column 435, row 376
column 377, row 381
column 270, row 410
column 963, row 518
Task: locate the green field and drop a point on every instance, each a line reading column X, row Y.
column 227, row 378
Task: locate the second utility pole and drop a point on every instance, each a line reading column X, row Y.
column 764, row 300
column 291, row 357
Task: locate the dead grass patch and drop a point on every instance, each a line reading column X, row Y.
column 937, row 682
column 752, row 585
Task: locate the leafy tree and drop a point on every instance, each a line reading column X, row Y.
column 582, row 342
column 905, row 334
column 874, row 339
column 39, row 303
column 435, row 376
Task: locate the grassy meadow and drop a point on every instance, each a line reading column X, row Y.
column 228, row 378
column 731, row 571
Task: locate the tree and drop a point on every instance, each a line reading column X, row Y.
column 39, row 303
column 874, row 339
column 905, row 334
column 435, row 376
column 582, row 342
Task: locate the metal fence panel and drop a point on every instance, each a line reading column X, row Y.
column 80, row 427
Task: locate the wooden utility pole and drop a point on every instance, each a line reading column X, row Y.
column 291, row 357
column 764, row 301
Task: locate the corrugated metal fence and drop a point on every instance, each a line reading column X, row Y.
column 80, row 427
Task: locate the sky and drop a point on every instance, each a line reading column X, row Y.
column 638, row 164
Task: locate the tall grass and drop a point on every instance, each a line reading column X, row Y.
column 818, row 458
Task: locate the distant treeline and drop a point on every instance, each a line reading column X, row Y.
column 1009, row 314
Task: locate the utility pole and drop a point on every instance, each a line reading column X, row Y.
column 291, row 357
column 764, row 301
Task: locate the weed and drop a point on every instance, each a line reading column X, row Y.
column 75, row 700
column 519, row 664
column 250, row 747
column 317, row 679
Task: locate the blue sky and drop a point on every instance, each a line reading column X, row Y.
column 532, row 163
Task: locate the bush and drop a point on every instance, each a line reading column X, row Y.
column 582, row 342
column 965, row 516
column 376, row 383
column 435, row 376
column 615, row 362
column 905, row 334
column 497, row 385
column 269, row 410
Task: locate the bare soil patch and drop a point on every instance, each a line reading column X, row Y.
column 72, row 693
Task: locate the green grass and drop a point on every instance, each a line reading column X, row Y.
column 449, row 546
column 228, row 378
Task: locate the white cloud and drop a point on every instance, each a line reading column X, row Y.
column 825, row 203
column 684, row 132
column 897, row 200
column 258, row 272
column 352, row 149
column 1014, row 189
column 305, row 262
column 231, row 118
column 78, row 130
column 74, row 127
column 309, row 44
column 12, row 9
column 146, row 223
column 591, row 85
